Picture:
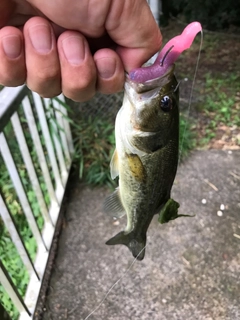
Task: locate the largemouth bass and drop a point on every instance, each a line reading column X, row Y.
column 146, row 155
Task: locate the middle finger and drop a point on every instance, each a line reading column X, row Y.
column 78, row 69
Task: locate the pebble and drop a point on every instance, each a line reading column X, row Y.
column 204, row 201
column 219, row 213
column 222, row 207
column 164, row 301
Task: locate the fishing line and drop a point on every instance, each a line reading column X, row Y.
column 114, row 285
column 177, row 86
column 191, row 95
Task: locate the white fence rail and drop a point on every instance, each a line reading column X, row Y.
column 36, row 152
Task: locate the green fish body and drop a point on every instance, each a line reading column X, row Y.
column 146, row 159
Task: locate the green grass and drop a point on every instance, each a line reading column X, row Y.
column 220, row 106
column 221, row 98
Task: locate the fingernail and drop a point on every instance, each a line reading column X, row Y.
column 106, row 67
column 41, row 38
column 12, row 46
column 74, row 49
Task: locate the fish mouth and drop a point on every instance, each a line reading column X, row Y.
column 149, row 85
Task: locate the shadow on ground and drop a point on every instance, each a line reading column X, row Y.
column 192, row 265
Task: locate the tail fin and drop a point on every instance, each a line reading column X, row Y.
column 134, row 244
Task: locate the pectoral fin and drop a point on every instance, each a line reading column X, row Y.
column 114, row 165
column 113, row 205
column 170, row 212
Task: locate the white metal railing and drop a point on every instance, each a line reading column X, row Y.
column 49, row 139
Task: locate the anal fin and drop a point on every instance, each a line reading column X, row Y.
column 113, row 205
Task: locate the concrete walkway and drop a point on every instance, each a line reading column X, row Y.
column 192, row 265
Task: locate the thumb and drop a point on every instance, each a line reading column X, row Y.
column 133, row 28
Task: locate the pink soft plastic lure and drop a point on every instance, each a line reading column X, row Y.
column 168, row 55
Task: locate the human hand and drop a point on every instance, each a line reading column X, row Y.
column 76, row 47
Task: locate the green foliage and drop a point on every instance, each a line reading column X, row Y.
column 213, row 14
column 94, row 143
column 8, row 305
column 220, row 106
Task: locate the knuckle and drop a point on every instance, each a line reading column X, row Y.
column 12, row 81
column 47, row 89
column 47, row 74
column 45, row 81
column 51, row 94
column 79, row 95
column 81, row 90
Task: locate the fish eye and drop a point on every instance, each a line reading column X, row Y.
column 166, row 104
